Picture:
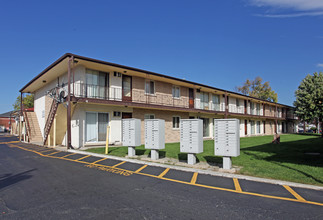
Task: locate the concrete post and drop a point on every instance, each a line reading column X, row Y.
column 227, row 163
column 154, row 154
column 191, row 159
column 131, row 151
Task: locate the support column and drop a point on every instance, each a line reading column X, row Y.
column 69, row 139
column 20, row 124
column 154, row 154
column 48, row 139
column 54, row 132
column 226, row 105
column 131, row 151
column 191, row 159
column 227, row 163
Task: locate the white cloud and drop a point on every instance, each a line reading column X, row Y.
column 320, row 65
column 292, row 15
column 296, row 8
column 299, row 5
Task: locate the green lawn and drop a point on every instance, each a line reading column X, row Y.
column 258, row 157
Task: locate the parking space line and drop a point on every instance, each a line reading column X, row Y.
column 119, row 164
column 194, row 178
column 67, row 155
column 298, row 197
column 45, row 150
column 141, row 168
column 83, row 158
column 163, row 173
column 99, row 160
column 237, row 185
column 52, row 153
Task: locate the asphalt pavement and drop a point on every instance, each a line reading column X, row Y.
column 41, row 183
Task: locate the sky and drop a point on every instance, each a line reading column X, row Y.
column 220, row 43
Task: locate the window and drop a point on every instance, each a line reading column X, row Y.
column 204, row 100
column 216, row 102
column 176, row 120
column 252, row 123
column 116, row 114
column 258, row 109
column 252, row 107
column 237, row 103
column 150, row 87
column 96, row 84
column 176, row 92
column 258, row 127
column 96, row 126
column 149, row 116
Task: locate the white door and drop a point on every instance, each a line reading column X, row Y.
column 91, row 127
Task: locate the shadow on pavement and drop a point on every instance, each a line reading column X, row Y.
column 9, row 179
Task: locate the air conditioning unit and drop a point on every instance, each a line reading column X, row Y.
column 62, row 95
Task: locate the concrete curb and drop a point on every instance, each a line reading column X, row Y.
column 209, row 172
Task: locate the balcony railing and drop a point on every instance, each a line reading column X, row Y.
column 139, row 96
column 97, row 92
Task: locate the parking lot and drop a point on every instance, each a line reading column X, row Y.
column 194, row 179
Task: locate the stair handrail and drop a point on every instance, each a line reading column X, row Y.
column 48, row 124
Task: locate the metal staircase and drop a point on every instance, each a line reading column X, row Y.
column 50, row 119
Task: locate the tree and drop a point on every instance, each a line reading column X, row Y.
column 28, row 102
column 309, row 98
column 255, row 88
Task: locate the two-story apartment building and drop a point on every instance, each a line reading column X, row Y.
column 76, row 98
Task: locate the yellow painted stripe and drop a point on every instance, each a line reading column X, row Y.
column 189, row 183
column 194, row 178
column 99, row 160
column 53, row 153
column 237, row 185
column 67, row 155
column 298, row 197
column 141, row 168
column 46, row 150
column 83, row 157
column 163, row 173
column 119, row 164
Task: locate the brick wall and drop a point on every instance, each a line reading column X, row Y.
column 163, row 93
column 171, row 135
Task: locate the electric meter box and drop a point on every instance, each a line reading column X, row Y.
column 227, row 137
column 191, row 136
column 131, row 132
column 154, row 134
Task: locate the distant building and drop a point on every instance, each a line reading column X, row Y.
column 5, row 120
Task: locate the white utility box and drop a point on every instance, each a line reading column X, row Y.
column 154, row 134
column 191, row 136
column 131, row 134
column 227, row 137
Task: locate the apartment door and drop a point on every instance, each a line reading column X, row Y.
column 191, row 97
column 245, row 106
column 126, row 115
column 126, row 88
column 245, row 127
